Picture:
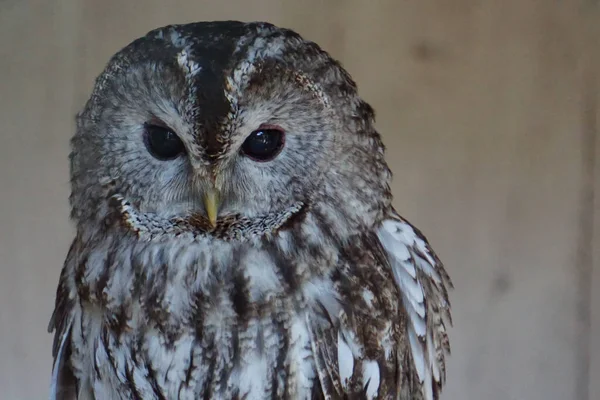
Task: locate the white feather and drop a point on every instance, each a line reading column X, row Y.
column 261, row 275
column 300, row 357
column 418, row 323
column 320, row 292
column 417, row 353
column 405, row 278
column 368, row 297
column 252, row 378
column 411, row 289
column 345, row 360
column 189, row 66
column 371, row 377
column 58, row 363
column 390, row 243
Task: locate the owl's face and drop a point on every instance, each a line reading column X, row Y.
column 215, row 121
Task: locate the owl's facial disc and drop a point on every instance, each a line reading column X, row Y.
column 214, row 189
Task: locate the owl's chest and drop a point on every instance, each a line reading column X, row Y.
column 218, row 321
column 219, row 355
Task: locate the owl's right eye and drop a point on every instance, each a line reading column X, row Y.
column 162, row 142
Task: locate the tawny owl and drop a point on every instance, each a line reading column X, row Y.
column 235, row 233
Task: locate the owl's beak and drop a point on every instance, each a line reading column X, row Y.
column 211, row 205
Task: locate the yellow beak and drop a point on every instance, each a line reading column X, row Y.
column 211, row 205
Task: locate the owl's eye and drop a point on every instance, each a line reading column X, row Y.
column 264, row 144
column 162, row 142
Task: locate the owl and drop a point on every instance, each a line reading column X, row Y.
column 235, row 237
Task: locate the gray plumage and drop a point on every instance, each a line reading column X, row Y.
column 303, row 284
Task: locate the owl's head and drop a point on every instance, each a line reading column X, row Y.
column 206, row 126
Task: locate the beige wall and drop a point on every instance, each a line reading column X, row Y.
column 489, row 110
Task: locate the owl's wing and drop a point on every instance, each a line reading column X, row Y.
column 356, row 360
column 63, row 385
column 423, row 284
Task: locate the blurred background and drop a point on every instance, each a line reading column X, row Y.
column 489, row 110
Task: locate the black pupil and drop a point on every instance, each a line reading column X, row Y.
column 264, row 144
column 163, row 143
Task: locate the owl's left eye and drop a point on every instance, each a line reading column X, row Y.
column 162, row 142
column 264, row 144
